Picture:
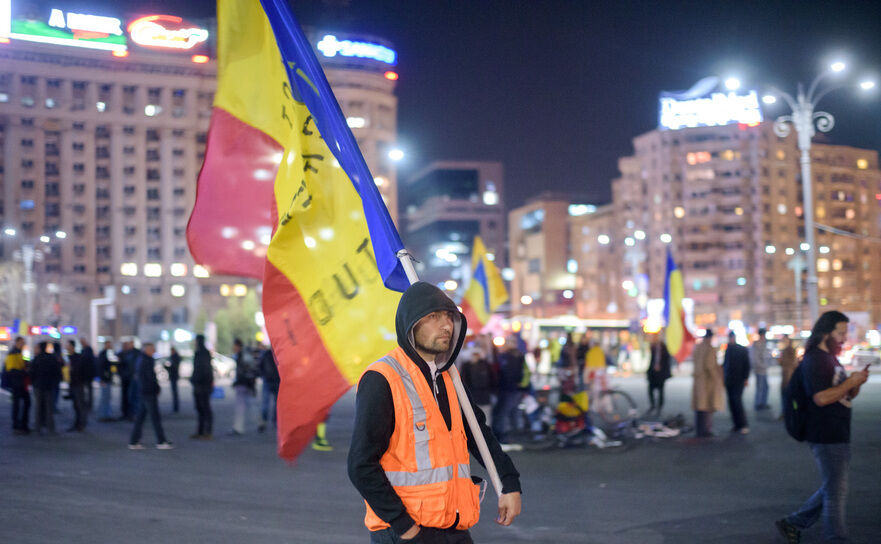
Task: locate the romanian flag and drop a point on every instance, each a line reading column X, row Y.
column 486, row 290
column 679, row 339
column 285, row 195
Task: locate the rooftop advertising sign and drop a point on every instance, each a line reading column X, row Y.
column 331, row 46
column 166, row 32
column 59, row 27
column 701, row 107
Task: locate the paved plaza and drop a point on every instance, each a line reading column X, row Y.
column 89, row 488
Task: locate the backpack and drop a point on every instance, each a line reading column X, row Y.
column 795, row 405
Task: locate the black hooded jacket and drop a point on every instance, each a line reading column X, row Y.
column 375, row 411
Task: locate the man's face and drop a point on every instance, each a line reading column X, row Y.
column 19, row 344
column 839, row 335
column 108, row 345
column 434, row 332
column 149, row 350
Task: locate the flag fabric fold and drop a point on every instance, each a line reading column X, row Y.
column 678, row 338
column 328, row 256
column 486, row 290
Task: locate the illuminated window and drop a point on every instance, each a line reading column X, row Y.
column 200, row 271
column 128, row 269
column 178, row 269
column 822, row 265
column 225, row 290
column 178, row 290
column 862, row 164
column 821, row 212
column 836, row 282
column 698, row 157
column 152, row 270
column 679, row 212
column 728, row 155
column 781, row 154
column 738, row 210
column 836, row 264
column 781, row 209
column 240, row 289
column 850, row 214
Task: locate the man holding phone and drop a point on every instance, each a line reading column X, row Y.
column 828, row 429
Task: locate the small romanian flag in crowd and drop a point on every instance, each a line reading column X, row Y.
column 486, row 290
column 279, row 155
column 679, row 339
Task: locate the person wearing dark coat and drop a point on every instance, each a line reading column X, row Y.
column 45, row 378
column 658, row 373
column 736, row 369
column 149, row 401
column 173, row 368
column 203, row 385
column 271, row 382
column 90, row 370
column 78, row 381
column 17, row 376
column 480, row 380
column 105, row 376
column 126, row 371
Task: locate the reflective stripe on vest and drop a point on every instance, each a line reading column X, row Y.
column 420, row 419
column 429, row 476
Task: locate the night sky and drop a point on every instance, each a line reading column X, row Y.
column 556, row 90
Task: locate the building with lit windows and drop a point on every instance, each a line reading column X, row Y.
column 727, row 201
column 444, row 206
column 544, row 276
column 103, row 124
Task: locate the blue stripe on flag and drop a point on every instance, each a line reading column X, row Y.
column 305, row 73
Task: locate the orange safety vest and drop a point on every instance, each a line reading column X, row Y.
column 427, row 465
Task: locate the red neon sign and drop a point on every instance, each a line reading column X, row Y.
column 165, row 32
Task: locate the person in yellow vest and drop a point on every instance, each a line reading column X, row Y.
column 409, row 456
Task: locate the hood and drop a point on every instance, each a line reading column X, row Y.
column 419, row 300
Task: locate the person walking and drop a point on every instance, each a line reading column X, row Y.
column 77, row 387
column 707, row 393
column 788, row 362
column 105, row 377
column 245, row 386
column 658, row 373
column 17, row 379
column 58, row 353
column 126, row 370
column 149, row 401
column 479, row 377
column 832, row 393
column 271, row 382
column 510, row 376
column 202, row 381
column 172, row 366
column 45, row 378
column 736, row 368
column 409, row 455
column 760, row 362
column 90, row 371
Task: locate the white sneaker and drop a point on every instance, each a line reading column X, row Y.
column 512, row 447
column 164, row 446
column 137, row 446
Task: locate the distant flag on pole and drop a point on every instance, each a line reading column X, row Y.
column 486, row 290
column 330, row 263
column 679, row 339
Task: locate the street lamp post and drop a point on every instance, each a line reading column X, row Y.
column 804, row 118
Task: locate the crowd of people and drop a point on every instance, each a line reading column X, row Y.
column 73, row 372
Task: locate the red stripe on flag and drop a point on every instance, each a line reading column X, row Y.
column 234, row 197
column 687, row 344
column 310, row 381
column 474, row 322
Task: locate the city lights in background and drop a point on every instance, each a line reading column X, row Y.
column 396, row 154
column 526, row 300
column 666, row 238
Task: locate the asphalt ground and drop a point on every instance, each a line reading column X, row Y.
column 89, row 488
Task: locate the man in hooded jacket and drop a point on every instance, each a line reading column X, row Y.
column 409, row 456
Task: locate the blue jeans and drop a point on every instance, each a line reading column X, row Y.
column 269, row 398
column 829, row 501
column 761, row 391
column 504, row 413
column 104, row 410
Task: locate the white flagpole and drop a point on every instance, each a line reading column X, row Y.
column 465, row 402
